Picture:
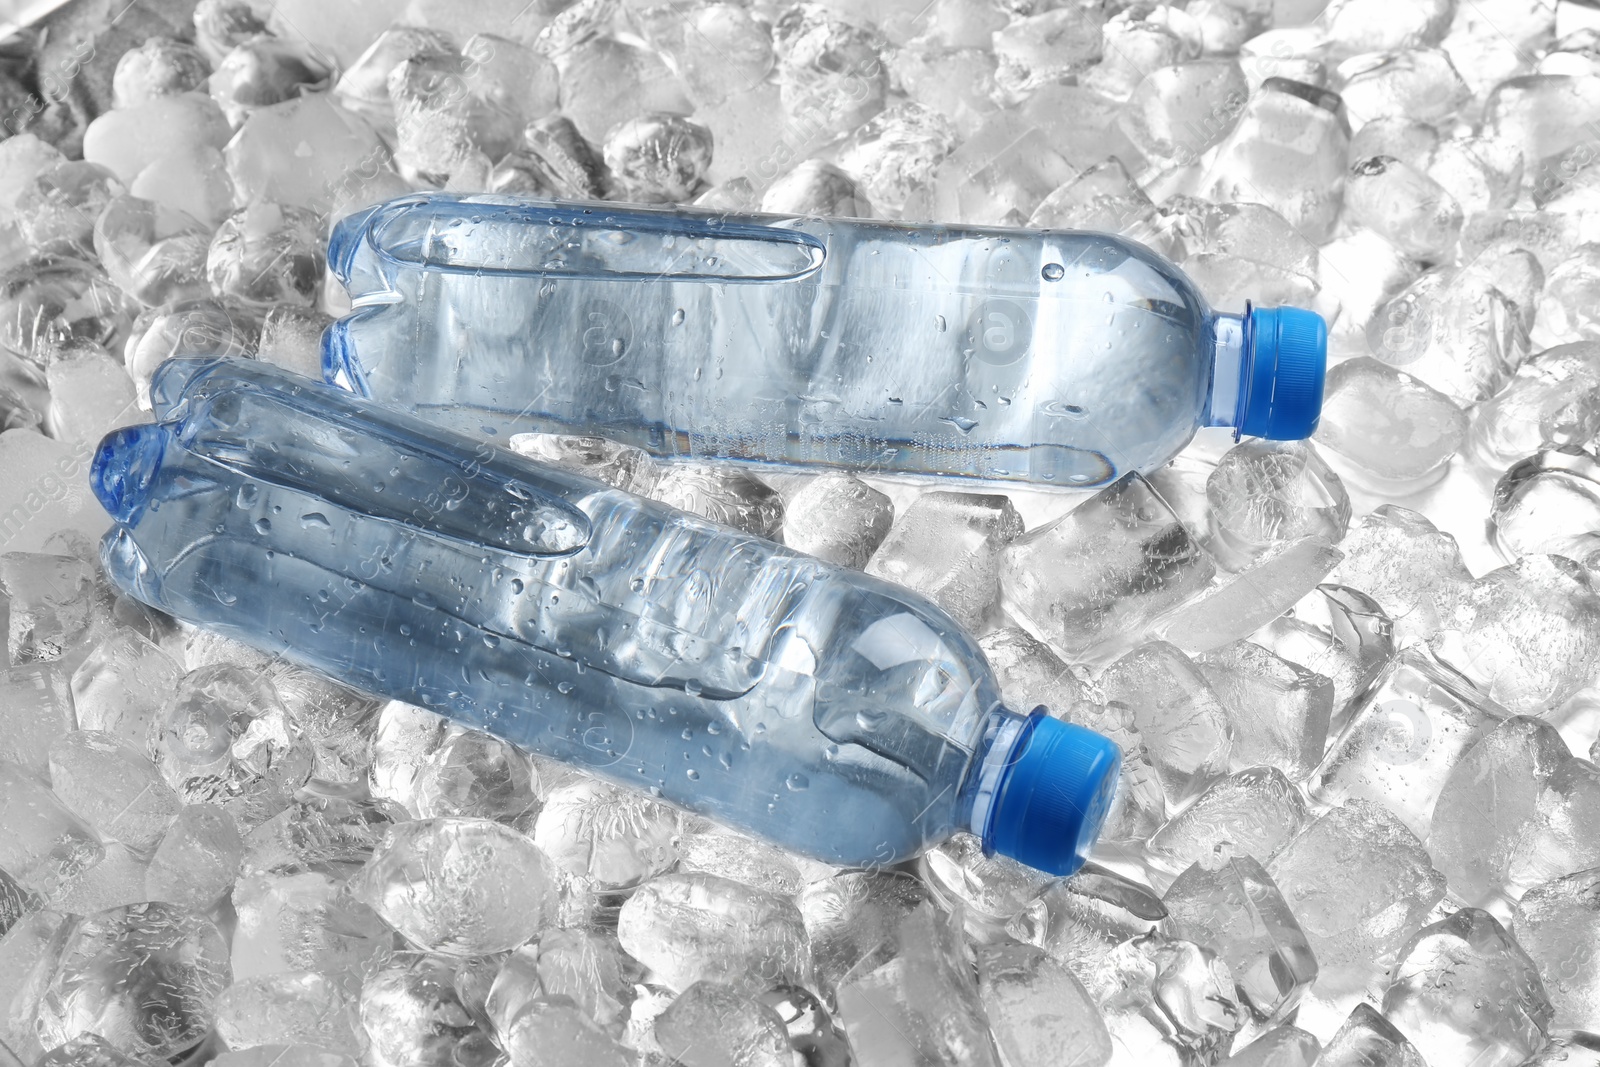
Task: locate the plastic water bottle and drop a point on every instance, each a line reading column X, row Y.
column 826, row 710
column 1057, row 357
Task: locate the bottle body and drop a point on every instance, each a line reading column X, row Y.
column 1055, row 357
column 826, row 710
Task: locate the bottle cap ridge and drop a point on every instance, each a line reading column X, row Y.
column 1285, row 363
column 1054, row 797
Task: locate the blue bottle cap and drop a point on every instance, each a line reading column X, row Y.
column 1285, row 362
column 1050, row 805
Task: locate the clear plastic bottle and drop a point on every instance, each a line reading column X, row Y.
column 1056, row 357
column 829, row 711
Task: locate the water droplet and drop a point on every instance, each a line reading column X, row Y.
column 960, row 422
column 263, row 525
column 938, row 323
column 491, row 641
column 677, row 317
column 516, row 586
column 1053, row 272
column 248, row 493
column 798, row 783
column 694, row 775
column 315, row 520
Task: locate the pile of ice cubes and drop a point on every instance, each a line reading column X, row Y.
column 1357, row 680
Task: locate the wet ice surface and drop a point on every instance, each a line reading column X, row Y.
column 1355, row 679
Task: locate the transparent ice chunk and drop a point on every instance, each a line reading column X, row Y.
column 1253, row 812
column 1557, row 923
column 1547, row 503
column 1078, row 920
column 1465, row 991
column 712, row 1025
column 1263, row 493
column 113, row 786
column 1038, row 1011
column 1238, row 604
column 720, row 493
column 413, row 1014
column 295, row 1007
column 615, row 837
column 1411, row 568
column 948, row 547
column 35, row 709
column 144, row 977
column 197, row 860
column 659, row 158
column 1235, row 910
column 1553, row 401
column 1367, row 1039
column 1279, row 710
column 460, row 887
column 1184, row 726
column 853, row 920
column 1091, row 581
column 845, row 519
column 685, row 927
column 1393, row 428
column 303, row 921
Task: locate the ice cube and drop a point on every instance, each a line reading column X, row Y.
column 896, row 152
column 329, row 833
column 15, row 903
column 1565, row 310
column 1394, row 429
column 89, row 1050
column 587, row 968
column 1253, row 812
column 446, row 122
column 711, row 849
column 1547, row 504
column 715, row 1025
column 549, row 1034
column 722, row 494
column 605, row 81
column 1030, row 674
column 1411, row 210
column 52, row 603
column 1367, row 1039
column 1337, row 632
column 1362, row 272
column 1261, row 591
column 853, row 920
column 460, row 887
column 201, row 327
column 1279, row 710
column 144, row 977
column 90, row 395
column 1166, row 1001
column 1420, row 84
column 812, row 1031
column 53, row 303
column 846, row 519
column 685, row 927
column 263, row 71
column 113, row 786
column 1178, row 112
column 1359, row 883
column 336, row 720
column 1456, row 331
column 1558, row 923
column 1553, row 401
column 115, row 882
column 43, row 845
column 475, row 774
column 1400, row 745
column 1282, row 1046
column 1526, row 634
column 816, row 187
column 958, row 84
column 28, row 956
column 295, row 1007
column 224, row 736
column 56, row 213
column 304, row 921
column 1038, row 1011
column 192, row 179
column 1184, row 726
column 363, row 86
column 35, row 709
column 991, row 890
column 1246, row 231
column 1103, row 198
column 830, row 70
column 922, row 1005
column 1263, row 493
column 197, row 859
column 1570, row 1048
column 1235, row 910
column 1287, row 151
column 718, row 49
column 306, row 152
column 612, row 836
column 997, row 176
column 1079, row 919
column 659, row 158
column 1090, row 582
column 24, row 157
column 129, row 139
column 1038, row 49
column 413, row 1014
column 948, row 546
column 619, row 466
column 1464, row 990
column 267, row 254
column 1542, row 114
column 1412, row 569
column 341, row 34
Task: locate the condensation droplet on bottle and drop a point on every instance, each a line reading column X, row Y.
column 678, row 317
column 798, row 783
column 1053, row 272
column 263, row 525
column 247, row 495
column 939, row 323
column 693, row 775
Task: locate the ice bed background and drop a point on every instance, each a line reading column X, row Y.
column 1354, row 678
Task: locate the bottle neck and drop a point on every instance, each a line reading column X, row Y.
column 999, row 743
column 1227, row 369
